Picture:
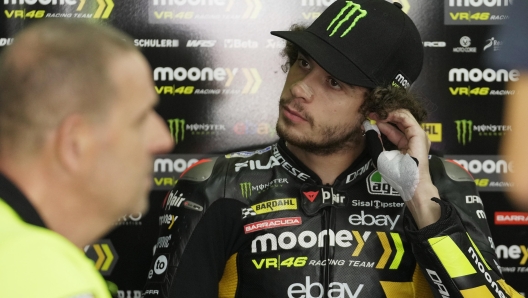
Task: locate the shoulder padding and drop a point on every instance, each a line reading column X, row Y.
column 200, row 171
column 452, row 169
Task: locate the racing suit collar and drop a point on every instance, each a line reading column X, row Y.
column 360, row 167
column 10, row 194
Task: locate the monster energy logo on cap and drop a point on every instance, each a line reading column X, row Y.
column 245, row 187
column 464, row 130
column 342, row 18
column 177, row 129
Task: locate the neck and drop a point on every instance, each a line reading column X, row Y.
column 328, row 167
column 47, row 189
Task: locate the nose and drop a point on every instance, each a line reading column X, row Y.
column 160, row 140
column 301, row 90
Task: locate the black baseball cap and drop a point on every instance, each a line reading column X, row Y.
column 367, row 43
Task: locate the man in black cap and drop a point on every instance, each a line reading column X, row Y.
column 320, row 213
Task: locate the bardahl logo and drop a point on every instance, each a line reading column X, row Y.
column 270, row 206
column 341, row 18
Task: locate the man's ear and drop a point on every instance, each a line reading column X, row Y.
column 74, row 142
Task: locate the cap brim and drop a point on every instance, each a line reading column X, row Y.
column 330, row 59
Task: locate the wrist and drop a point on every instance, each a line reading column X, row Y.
column 425, row 211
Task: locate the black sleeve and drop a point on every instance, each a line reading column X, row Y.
column 199, row 231
column 456, row 254
column 201, row 265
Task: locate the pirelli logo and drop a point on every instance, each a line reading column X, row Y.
column 275, row 205
column 346, row 15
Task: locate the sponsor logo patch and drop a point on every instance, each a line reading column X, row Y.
column 511, row 218
column 378, row 186
column 346, row 14
column 270, row 206
column 433, row 130
column 311, row 195
column 272, row 223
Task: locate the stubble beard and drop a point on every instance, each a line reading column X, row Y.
column 324, row 140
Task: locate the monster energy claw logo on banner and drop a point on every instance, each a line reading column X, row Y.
column 464, row 131
column 177, row 129
column 344, row 18
column 245, row 188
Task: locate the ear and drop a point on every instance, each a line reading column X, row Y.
column 74, row 143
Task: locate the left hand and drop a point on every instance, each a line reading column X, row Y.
column 410, row 138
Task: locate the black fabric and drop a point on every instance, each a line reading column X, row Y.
column 448, row 221
column 297, row 238
column 207, row 240
column 365, row 43
column 10, row 194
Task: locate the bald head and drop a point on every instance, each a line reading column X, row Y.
column 55, row 68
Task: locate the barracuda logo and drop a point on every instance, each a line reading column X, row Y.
column 342, row 19
column 464, row 131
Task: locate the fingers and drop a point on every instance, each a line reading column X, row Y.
column 405, row 122
column 394, row 135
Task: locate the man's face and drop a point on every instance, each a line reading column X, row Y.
column 127, row 139
column 318, row 113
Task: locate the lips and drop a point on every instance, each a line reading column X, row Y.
column 293, row 114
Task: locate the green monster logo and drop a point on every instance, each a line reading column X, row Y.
column 342, row 19
column 245, row 188
column 177, row 129
column 464, row 131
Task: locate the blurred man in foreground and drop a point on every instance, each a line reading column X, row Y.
column 78, row 132
column 512, row 55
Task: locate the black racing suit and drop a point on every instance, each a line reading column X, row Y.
column 261, row 224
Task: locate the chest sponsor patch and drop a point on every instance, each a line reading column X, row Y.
column 275, row 205
column 272, row 223
column 270, row 206
column 379, row 186
column 314, row 198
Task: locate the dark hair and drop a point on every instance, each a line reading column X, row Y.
column 291, row 51
column 380, row 100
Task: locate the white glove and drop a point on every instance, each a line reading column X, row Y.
column 399, row 170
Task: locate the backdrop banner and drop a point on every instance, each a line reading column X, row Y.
column 218, row 73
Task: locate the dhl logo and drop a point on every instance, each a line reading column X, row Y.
column 433, row 130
